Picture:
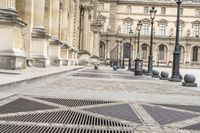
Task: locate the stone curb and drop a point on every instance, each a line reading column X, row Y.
column 37, row 77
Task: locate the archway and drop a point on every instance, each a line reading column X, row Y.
column 182, row 55
column 144, row 51
column 162, row 55
column 102, row 51
column 126, row 54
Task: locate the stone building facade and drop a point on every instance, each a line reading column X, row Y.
column 41, row 33
column 119, row 16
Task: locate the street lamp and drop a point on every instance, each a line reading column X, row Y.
column 139, row 27
column 150, row 61
column 129, row 61
column 138, row 63
column 176, row 55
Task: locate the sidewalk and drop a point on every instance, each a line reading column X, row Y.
column 12, row 77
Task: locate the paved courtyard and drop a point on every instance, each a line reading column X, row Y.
column 100, row 101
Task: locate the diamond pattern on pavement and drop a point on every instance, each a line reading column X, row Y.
column 167, row 116
column 23, row 105
column 123, row 111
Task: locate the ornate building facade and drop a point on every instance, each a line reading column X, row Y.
column 120, row 16
column 48, row 32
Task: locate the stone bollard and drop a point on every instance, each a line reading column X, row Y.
column 164, row 75
column 115, row 68
column 156, row 74
column 144, row 71
column 181, row 77
column 189, row 81
column 96, row 67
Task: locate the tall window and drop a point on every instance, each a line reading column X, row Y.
column 196, row 30
column 144, row 51
column 161, row 52
column 101, row 6
column 162, row 29
column 127, row 27
column 145, row 29
column 146, row 9
column 195, row 54
column 163, row 10
column 129, row 10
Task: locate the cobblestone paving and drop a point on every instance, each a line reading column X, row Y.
column 121, row 99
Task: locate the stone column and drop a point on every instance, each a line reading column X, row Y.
column 12, row 55
column 40, row 44
column 55, row 43
column 84, row 52
column 95, row 54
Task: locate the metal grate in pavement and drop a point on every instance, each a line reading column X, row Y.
column 63, row 117
column 23, row 105
column 42, row 129
column 74, row 102
column 183, row 107
column 195, row 127
column 122, row 111
column 167, row 116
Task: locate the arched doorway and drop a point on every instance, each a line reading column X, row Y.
column 195, row 54
column 102, row 51
column 162, row 55
column 144, row 52
column 182, row 54
column 126, row 54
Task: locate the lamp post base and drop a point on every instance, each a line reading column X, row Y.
column 138, row 67
column 149, row 74
column 173, row 79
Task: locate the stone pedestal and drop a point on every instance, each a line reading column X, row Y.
column 40, row 46
column 84, row 58
column 95, row 60
column 12, row 55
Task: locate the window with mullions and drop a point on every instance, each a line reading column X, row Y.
column 127, row 27
column 181, row 30
column 195, row 54
column 161, row 52
column 162, row 29
column 196, row 30
column 144, row 51
column 145, row 29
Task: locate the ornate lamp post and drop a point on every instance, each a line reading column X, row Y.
column 138, row 62
column 176, row 56
column 139, row 27
column 150, row 61
column 129, row 61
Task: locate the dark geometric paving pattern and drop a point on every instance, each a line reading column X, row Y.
column 23, row 105
column 42, row 129
column 63, row 117
column 74, row 102
column 195, row 127
column 166, row 116
column 123, row 111
column 183, row 107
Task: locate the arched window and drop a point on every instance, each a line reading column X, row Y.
column 195, row 54
column 144, row 51
column 163, row 10
column 161, row 52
